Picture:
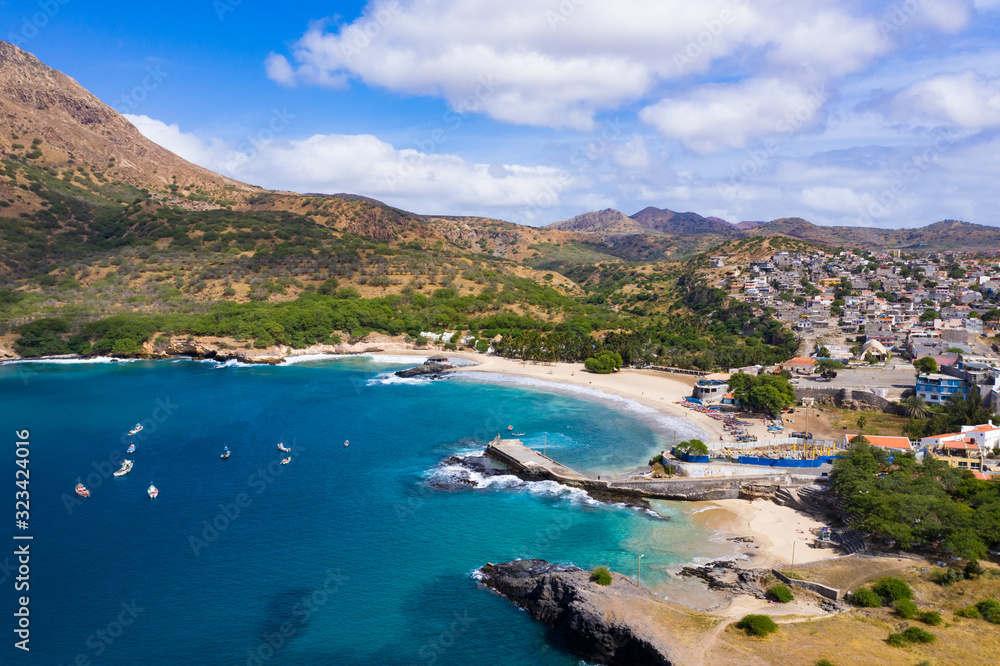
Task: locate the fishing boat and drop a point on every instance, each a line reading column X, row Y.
column 346, row 443
column 131, row 448
column 82, row 491
column 125, row 468
column 152, row 491
column 287, row 460
column 225, row 452
column 518, row 434
column 283, row 448
column 137, row 428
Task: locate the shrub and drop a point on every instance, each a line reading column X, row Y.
column 897, row 640
column 781, row 593
column 757, row 625
column 918, row 635
column 948, row 576
column 932, row 618
column 905, row 609
column 973, row 569
column 866, row 598
column 601, row 576
column 824, row 662
column 890, row 587
column 970, row 612
column 989, row 610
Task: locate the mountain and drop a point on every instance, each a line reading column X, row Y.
column 50, row 119
column 944, row 235
column 607, row 221
column 667, row 221
column 748, row 224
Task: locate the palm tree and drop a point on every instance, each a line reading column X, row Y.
column 915, row 407
column 862, row 422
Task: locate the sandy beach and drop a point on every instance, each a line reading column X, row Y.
column 775, row 528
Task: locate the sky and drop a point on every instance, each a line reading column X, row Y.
column 876, row 114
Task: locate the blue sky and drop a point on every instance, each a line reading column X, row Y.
column 861, row 113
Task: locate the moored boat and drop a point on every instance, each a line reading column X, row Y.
column 152, row 491
column 346, row 443
column 131, row 448
column 82, row 491
column 137, row 428
column 225, row 452
column 518, row 434
column 283, row 448
column 287, row 460
column 125, row 468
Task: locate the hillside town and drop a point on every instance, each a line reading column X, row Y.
column 885, row 312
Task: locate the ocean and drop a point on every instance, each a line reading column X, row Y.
column 359, row 554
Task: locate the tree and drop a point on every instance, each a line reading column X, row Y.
column 693, row 447
column 915, row 407
column 823, row 352
column 829, row 364
column 862, row 422
column 929, row 315
column 604, row 363
column 926, row 365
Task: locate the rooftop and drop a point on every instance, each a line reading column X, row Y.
column 884, row 442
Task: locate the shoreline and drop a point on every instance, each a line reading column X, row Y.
column 773, row 527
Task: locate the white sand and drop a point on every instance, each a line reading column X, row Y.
column 774, row 528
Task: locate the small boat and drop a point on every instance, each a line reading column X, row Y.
column 510, row 428
column 82, row 491
column 283, row 448
column 346, row 443
column 518, row 434
column 225, row 452
column 137, row 428
column 152, row 491
column 131, row 448
column 287, row 460
column 125, row 468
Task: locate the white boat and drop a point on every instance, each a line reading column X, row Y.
column 286, row 460
column 137, row 428
column 283, row 448
column 225, row 452
column 153, row 491
column 82, row 491
column 131, row 448
column 346, row 443
column 125, row 468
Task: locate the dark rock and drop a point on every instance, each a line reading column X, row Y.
column 428, row 368
column 728, row 576
column 580, row 610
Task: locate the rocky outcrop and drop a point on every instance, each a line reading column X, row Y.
column 728, row 576
column 430, row 368
column 603, row 624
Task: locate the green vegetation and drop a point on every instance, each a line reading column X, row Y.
column 950, row 416
column 601, row 576
column 604, row 362
column 933, row 618
column 910, row 636
column 892, row 589
column 970, row 612
column 781, row 593
column 927, row 506
column 757, row 625
column 865, row 598
column 926, row 365
column 989, row 610
column 905, row 609
column 692, row 447
column 767, row 393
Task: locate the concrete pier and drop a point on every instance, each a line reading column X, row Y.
column 530, row 464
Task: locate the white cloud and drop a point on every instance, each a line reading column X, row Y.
column 559, row 64
column 965, row 99
column 718, row 116
column 363, row 164
column 279, row 69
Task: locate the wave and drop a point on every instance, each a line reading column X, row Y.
column 389, row 378
column 306, row 358
column 681, row 427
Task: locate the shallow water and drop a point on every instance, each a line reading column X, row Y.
column 346, row 555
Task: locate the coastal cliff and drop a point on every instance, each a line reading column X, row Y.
column 603, row 624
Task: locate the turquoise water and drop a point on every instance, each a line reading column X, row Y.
column 344, row 556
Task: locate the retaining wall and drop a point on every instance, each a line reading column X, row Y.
column 822, row 590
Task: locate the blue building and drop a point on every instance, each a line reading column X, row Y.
column 937, row 388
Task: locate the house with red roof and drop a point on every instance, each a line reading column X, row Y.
column 894, row 444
